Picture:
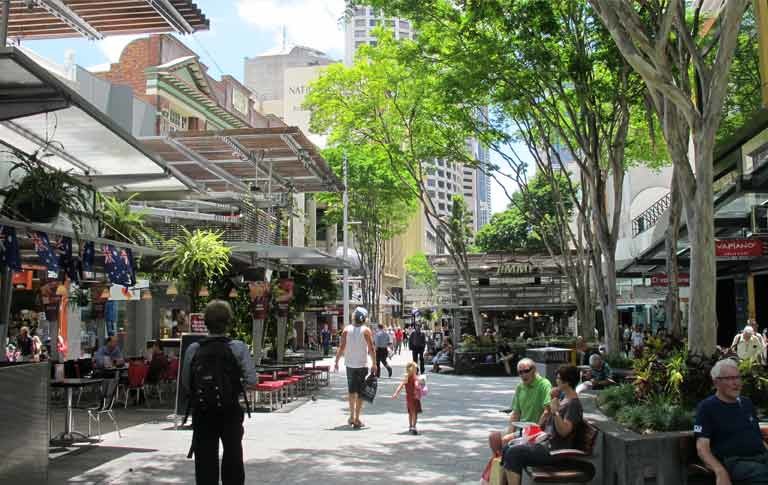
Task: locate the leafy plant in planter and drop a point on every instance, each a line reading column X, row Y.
column 194, row 258
column 44, row 192
column 122, row 223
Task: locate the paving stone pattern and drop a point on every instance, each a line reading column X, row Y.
column 310, row 443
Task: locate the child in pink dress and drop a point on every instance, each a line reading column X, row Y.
column 412, row 395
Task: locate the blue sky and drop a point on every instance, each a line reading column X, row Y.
column 239, row 29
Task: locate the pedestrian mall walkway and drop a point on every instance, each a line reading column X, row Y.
column 309, row 442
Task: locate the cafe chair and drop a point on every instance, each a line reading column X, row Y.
column 137, row 375
column 107, row 400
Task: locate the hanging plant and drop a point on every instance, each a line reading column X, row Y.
column 44, row 192
column 121, row 223
column 194, row 259
column 80, row 297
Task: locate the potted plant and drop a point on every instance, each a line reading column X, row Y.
column 44, row 192
column 194, row 258
column 122, row 223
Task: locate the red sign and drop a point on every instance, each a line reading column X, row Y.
column 739, row 247
column 259, row 292
column 197, row 323
column 661, row 279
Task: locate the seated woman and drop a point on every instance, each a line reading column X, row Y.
column 444, row 357
column 565, row 416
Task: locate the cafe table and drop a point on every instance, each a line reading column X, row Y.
column 70, row 435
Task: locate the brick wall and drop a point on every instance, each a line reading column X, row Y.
column 134, row 60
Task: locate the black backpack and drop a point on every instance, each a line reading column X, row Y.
column 216, row 379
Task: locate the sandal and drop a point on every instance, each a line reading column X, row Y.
column 351, row 422
column 358, row 424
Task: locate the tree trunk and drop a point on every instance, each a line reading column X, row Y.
column 702, row 313
column 610, row 310
column 476, row 318
column 672, row 303
column 282, row 324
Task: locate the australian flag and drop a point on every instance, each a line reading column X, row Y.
column 10, row 255
column 66, row 261
column 118, row 265
column 44, row 250
column 89, row 252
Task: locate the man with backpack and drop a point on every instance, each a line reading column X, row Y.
column 212, row 375
column 418, row 342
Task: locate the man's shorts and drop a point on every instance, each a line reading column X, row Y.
column 356, row 379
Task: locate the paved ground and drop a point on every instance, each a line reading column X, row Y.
column 311, row 442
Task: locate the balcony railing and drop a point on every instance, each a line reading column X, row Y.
column 649, row 217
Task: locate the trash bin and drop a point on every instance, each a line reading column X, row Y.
column 549, row 359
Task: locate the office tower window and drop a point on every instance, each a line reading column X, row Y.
column 404, row 25
column 358, row 44
column 441, row 184
column 430, row 182
column 441, row 173
column 360, row 23
column 360, row 33
column 373, row 22
column 373, row 43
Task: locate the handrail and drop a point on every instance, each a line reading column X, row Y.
column 650, row 216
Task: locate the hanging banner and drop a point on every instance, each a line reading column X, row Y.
column 284, row 296
column 738, row 248
column 661, row 279
column 44, row 251
column 259, row 293
column 10, row 255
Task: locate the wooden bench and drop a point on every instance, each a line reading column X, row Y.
column 577, row 465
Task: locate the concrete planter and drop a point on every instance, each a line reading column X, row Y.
column 24, row 414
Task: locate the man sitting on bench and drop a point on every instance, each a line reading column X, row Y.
column 728, row 438
column 598, row 376
column 561, row 423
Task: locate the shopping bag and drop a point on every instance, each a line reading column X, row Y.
column 369, row 388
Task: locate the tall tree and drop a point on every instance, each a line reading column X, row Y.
column 382, row 102
column 550, row 68
column 421, row 274
column 685, row 66
column 379, row 202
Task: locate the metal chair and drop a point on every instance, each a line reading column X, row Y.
column 106, row 403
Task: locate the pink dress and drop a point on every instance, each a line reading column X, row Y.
column 413, row 404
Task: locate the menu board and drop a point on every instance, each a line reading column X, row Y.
column 197, row 323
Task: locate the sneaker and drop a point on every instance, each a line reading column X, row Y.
column 414, row 432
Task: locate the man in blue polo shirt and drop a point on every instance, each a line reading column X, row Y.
column 728, row 437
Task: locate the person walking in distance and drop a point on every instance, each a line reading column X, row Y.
column 212, row 375
column 382, row 341
column 418, row 342
column 356, row 346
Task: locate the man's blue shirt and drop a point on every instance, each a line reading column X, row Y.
column 732, row 428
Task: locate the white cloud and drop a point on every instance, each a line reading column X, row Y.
column 112, row 47
column 312, row 23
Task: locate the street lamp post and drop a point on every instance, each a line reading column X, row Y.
column 345, row 231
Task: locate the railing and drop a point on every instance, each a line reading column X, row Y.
column 649, row 217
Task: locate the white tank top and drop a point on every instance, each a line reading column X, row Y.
column 356, row 351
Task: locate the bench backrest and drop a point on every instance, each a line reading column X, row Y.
column 586, row 437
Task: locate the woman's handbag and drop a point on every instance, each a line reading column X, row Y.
column 369, row 388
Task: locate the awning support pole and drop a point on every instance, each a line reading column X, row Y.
column 4, row 22
column 345, row 292
column 6, row 292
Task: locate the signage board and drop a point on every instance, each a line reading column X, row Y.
column 197, row 323
column 738, row 248
column 661, row 279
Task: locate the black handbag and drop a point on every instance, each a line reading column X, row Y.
column 369, row 388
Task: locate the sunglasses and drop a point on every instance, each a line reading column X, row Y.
column 525, row 371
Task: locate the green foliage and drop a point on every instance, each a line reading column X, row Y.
column 194, row 258
column 41, row 186
column 421, row 274
column 656, row 414
column 460, row 225
column 124, row 224
column 743, row 99
column 530, row 217
column 619, row 361
column 754, row 378
column 313, row 287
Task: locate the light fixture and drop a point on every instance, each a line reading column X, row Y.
column 104, row 294
column 172, row 291
column 203, row 291
column 146, row 295
column 61, row 290
column 233, row 292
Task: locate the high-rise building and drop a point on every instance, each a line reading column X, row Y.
column 360, row 25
